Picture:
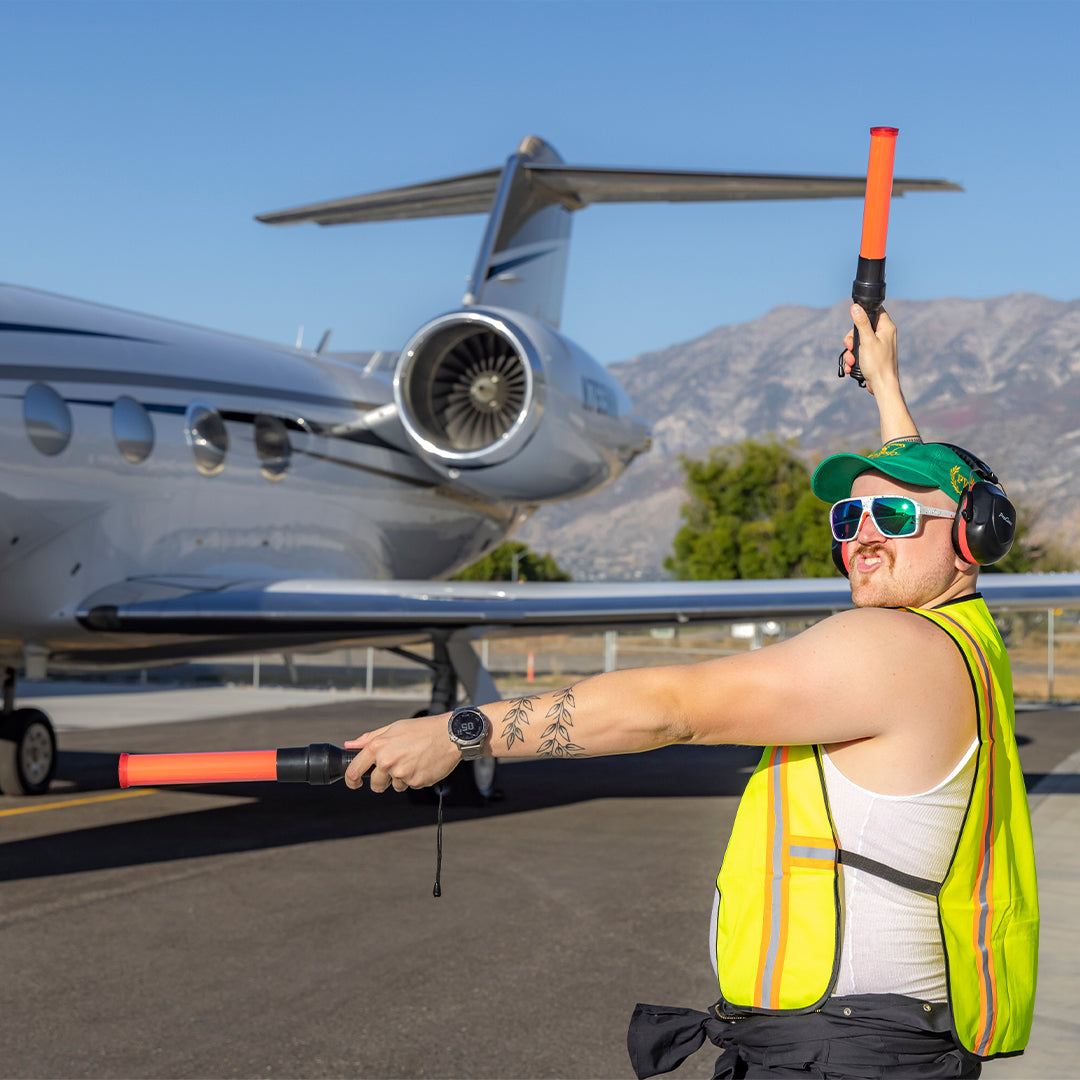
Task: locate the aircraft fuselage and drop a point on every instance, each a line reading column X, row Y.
column 108, row 476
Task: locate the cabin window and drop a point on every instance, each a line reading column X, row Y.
column 132, row 429
column 47, row 419
column 207, row 437
column 272, row 445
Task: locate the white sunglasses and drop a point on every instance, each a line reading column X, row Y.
column 892, row 515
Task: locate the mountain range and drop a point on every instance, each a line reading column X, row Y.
column 1000, row 377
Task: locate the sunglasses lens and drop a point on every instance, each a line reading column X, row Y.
column 894, row 516
column 845, row 518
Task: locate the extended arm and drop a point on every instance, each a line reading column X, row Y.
column 879, row 362
column 859, row 675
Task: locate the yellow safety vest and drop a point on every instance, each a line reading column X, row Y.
column 779, row 916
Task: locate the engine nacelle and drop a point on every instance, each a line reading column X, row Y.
column 503, row 405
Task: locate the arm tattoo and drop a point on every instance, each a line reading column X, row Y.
column 518, row 714
column 555, row 739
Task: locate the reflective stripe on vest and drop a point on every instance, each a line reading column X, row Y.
column 787, row 850
column 780, row 866
column 988, row 904
column 982, row 900
column 778, row 916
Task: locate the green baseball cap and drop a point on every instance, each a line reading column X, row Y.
column 921, row 464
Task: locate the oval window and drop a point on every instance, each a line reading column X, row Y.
column 47, row 418
column 207, row 437
column 272, row 445
column 132, row 429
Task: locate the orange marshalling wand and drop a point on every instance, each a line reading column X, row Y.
column 879, row 172
column 319, row 763
column 868, row 288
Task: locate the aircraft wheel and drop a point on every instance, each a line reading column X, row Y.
column 471, row 783
column 27, row 752
column 484, row 772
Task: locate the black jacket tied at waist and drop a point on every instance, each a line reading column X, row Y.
column 862, row 1037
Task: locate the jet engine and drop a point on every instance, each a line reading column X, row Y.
column 502, row 404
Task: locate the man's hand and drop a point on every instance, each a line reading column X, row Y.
column 407, row 754
column 877, row 349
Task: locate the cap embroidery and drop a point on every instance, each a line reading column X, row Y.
column 888, row 451
column 959, row 481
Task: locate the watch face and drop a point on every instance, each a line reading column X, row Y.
column 468, row 725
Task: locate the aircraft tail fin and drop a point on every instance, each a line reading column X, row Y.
column 522, row 261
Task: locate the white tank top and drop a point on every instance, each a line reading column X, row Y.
column 891, row 942
column 891, row 939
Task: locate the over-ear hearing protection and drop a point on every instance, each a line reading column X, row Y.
column 985, row 522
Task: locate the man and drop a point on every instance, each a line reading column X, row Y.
column 876, row 906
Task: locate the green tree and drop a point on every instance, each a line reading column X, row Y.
column 499, row 565
column 750, row 513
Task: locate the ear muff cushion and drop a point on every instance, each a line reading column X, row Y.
column 840, row 557
column 960, row 529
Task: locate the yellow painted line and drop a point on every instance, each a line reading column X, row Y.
column 78, row 802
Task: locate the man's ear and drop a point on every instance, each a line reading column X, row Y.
column 965, row 568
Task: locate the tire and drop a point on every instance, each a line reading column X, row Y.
column 27, row 752
column 472, row 783
column 483, row 774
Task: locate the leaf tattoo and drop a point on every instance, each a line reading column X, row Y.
column 516, row 715
column 555, row 738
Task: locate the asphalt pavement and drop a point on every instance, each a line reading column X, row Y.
column 273, row 930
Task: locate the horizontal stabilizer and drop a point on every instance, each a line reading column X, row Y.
column 470, row 193
column 586, row 185
column 577, row 186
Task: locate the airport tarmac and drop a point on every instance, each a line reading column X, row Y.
column 283, row 931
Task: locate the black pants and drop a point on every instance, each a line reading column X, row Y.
column 861, row 1037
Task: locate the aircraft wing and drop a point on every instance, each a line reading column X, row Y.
column 388, row 610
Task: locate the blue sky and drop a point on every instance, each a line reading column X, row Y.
column 141, row 138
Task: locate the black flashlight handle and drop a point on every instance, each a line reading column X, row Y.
column 319, row 763
column 868, row 291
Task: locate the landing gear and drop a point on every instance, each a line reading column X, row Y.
column 27, row 752
column 27, row 746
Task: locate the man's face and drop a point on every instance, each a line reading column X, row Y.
column 909, row 571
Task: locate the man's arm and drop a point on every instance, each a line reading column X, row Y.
column 879, row 363
column 870, row 674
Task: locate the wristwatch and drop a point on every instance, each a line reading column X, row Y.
column 469, row 728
